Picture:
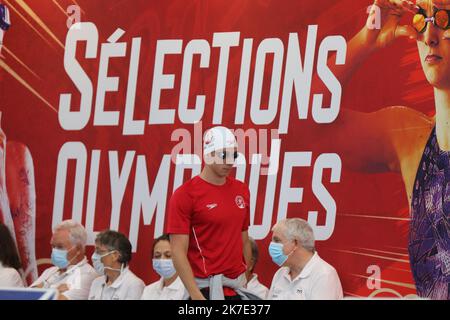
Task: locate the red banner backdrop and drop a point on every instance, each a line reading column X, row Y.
column 366, row 229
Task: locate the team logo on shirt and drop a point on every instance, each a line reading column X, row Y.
column 211, row 206
column 240, row 202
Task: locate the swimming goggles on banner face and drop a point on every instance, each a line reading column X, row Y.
column 440, row 19
column 224, row 155
column 5, row 22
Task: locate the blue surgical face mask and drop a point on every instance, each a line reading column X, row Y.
column 164, row 267
column 59, row 258
column 276, row 253
column 97, row 262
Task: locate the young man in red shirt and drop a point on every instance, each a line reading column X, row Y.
column 208, row 224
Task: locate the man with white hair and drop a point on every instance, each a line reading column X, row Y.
column 208, row 224
column 303, row 274
column 71, row 274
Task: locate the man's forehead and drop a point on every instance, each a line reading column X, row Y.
column 278, row 231
column 61, row 234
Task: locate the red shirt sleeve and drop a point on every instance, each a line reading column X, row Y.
column 180, row 212
column 246, row 223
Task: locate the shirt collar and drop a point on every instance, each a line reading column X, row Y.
column 56, row 275
column 254, row 278
column 309, row 266
column 307, row 269
column 118, row 282
column 73, row 267
column 175, row 286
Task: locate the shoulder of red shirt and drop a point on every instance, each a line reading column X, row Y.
column 187, row 185
column 239, row 184
column 194, row 181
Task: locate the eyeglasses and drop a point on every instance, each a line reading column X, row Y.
column 103, row 251
column 440, row 19
column 225, row 155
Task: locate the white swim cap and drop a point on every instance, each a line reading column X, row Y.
column 218, row 138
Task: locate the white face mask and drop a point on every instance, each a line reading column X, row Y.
column 164, row 267
column 98, row 264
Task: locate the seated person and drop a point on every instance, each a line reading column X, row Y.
column 253, row 285
column 303, row 274
column 169, row 286
column 111, row 259
column 9, row 260
column 71, row 275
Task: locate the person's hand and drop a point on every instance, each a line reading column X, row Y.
column 39, row 285
column 63, row 288
column 198, row 296
column 388, row 13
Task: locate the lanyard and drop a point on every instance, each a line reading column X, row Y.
column 103, row 288
column 58, row 278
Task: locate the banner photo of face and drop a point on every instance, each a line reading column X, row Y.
column 342, row 122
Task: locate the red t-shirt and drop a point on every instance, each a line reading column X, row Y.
column 214, row 217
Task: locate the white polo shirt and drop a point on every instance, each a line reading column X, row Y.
column 126, row 287
column 257, row 288
column 317, row 281
column 10, row 277
column 78, row 279
column 157, row 291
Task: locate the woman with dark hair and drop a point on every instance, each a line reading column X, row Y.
column 111, row 260
column 9, row 260
column 169, row 286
